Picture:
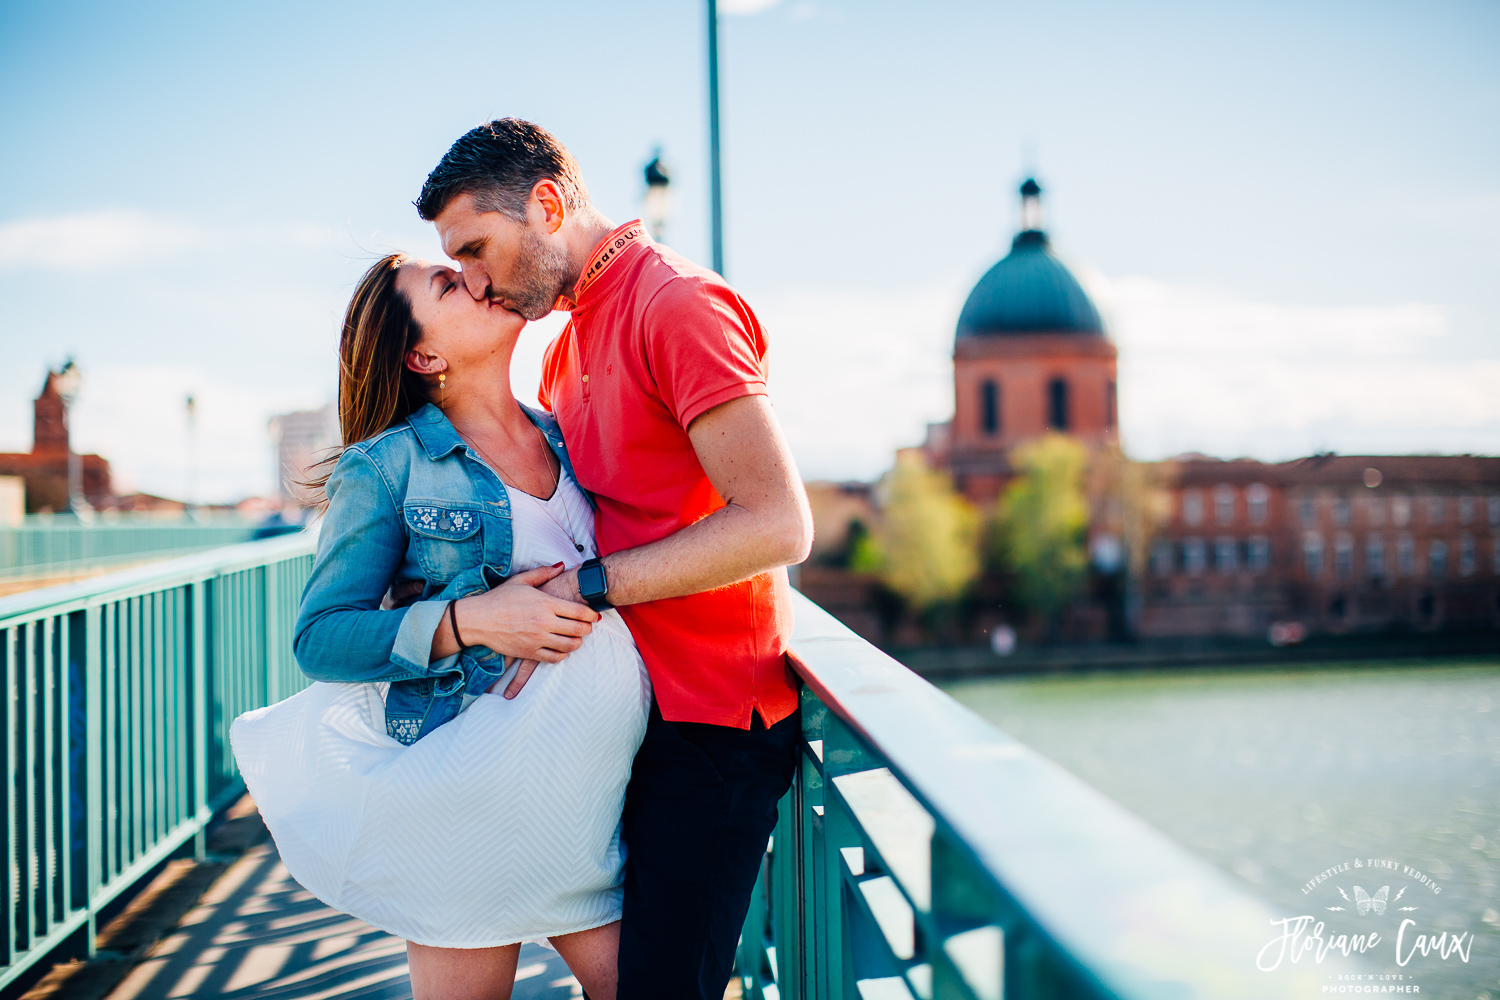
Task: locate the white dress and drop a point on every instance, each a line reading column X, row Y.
column 500, row 826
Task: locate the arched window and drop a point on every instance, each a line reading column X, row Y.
column 1194, row 556
column 1224, row 503
column 1437, row 559
column 1226, row 555
column 1312, row 554
column 1192, row 507
column 1257, row 502
column 1258, row 554
column 1057, row 404
column 989, row 406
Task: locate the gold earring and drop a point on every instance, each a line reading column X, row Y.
column 443, row 391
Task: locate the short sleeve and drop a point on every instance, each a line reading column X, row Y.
column 704, row 347
column 551, row 362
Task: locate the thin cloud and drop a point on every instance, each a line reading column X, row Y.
column 1203, row 370
column 857, row 374
column 91, row 239
column 128, row 237
column 744, row 8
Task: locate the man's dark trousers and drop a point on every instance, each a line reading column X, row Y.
column 699, row 810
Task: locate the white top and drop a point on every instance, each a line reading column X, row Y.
column 542, row 532
column 500, row 826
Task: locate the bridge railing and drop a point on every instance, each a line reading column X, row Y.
column 44, row 546
column 921, row 852
column 118, row 694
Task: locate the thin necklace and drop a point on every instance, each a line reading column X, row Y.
column 556, row 484
column 547, row 509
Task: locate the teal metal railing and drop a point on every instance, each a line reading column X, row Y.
column 48, row 546
column 921, row 852
column 119, row 692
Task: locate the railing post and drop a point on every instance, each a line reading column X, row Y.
column 199, row 713
column 9, row 862
column 272, row 619
column 93, row 676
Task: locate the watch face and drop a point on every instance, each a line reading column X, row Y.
column 591, row 580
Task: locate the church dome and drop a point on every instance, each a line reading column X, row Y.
column 1030, row 290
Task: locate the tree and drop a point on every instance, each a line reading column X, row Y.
column 927, row 543
column 1041, row 526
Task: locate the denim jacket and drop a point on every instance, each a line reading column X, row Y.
column 410, row 504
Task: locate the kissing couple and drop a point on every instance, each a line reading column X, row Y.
column 551, row 699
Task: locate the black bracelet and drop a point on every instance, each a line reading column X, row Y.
column 453, row 620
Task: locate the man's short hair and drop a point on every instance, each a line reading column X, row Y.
column 499, row 163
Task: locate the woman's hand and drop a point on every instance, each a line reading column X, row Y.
column 516, row 619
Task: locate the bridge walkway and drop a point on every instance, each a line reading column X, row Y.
column 257, row 934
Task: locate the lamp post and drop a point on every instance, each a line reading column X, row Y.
column 67, row 382
column 658, row 204
column 715, row 195
column 191, row 486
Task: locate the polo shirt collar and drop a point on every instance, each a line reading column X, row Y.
column 437, row 435
column 617, row 245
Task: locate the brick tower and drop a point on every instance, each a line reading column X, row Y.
column 1030, row 356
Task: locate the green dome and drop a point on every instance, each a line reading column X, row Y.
column 1030, row 291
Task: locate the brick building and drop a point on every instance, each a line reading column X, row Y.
column 45, row 468
column 1339, row 543
column 1334, row 543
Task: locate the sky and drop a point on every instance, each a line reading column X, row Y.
column 1289, row 213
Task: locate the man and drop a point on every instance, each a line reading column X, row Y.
column 658, row 382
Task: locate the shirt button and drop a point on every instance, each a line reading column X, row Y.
column 585, row 378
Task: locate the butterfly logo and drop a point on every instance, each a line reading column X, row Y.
column 1365, row 902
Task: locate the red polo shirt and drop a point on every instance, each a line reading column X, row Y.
column 653, row 343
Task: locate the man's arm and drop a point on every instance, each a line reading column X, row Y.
column 765, row 521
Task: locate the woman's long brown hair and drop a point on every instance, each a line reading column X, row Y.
column 376, row 389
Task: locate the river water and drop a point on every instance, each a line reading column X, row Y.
column 1278, row 775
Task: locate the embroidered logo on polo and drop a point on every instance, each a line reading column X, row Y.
column 608, row 256
column 441, row 519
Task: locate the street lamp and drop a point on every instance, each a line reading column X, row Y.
column 191, row 490
column 715, row 194
column 658, row 205
column 67, row 382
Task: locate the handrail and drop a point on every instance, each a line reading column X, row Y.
column 43, row 548
column 114, row 724
column 923, row 852
column 177, row 570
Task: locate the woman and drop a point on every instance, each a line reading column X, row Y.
column 403, row 788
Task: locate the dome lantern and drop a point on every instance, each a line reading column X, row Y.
column 1031, row 206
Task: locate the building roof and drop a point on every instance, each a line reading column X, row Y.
column 1030, row 290
column 1394, row 470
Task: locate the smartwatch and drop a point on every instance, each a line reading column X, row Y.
column 593, row 585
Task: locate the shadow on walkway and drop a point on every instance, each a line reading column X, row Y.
column 257, row 933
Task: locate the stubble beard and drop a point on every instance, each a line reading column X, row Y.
column 542, row 270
